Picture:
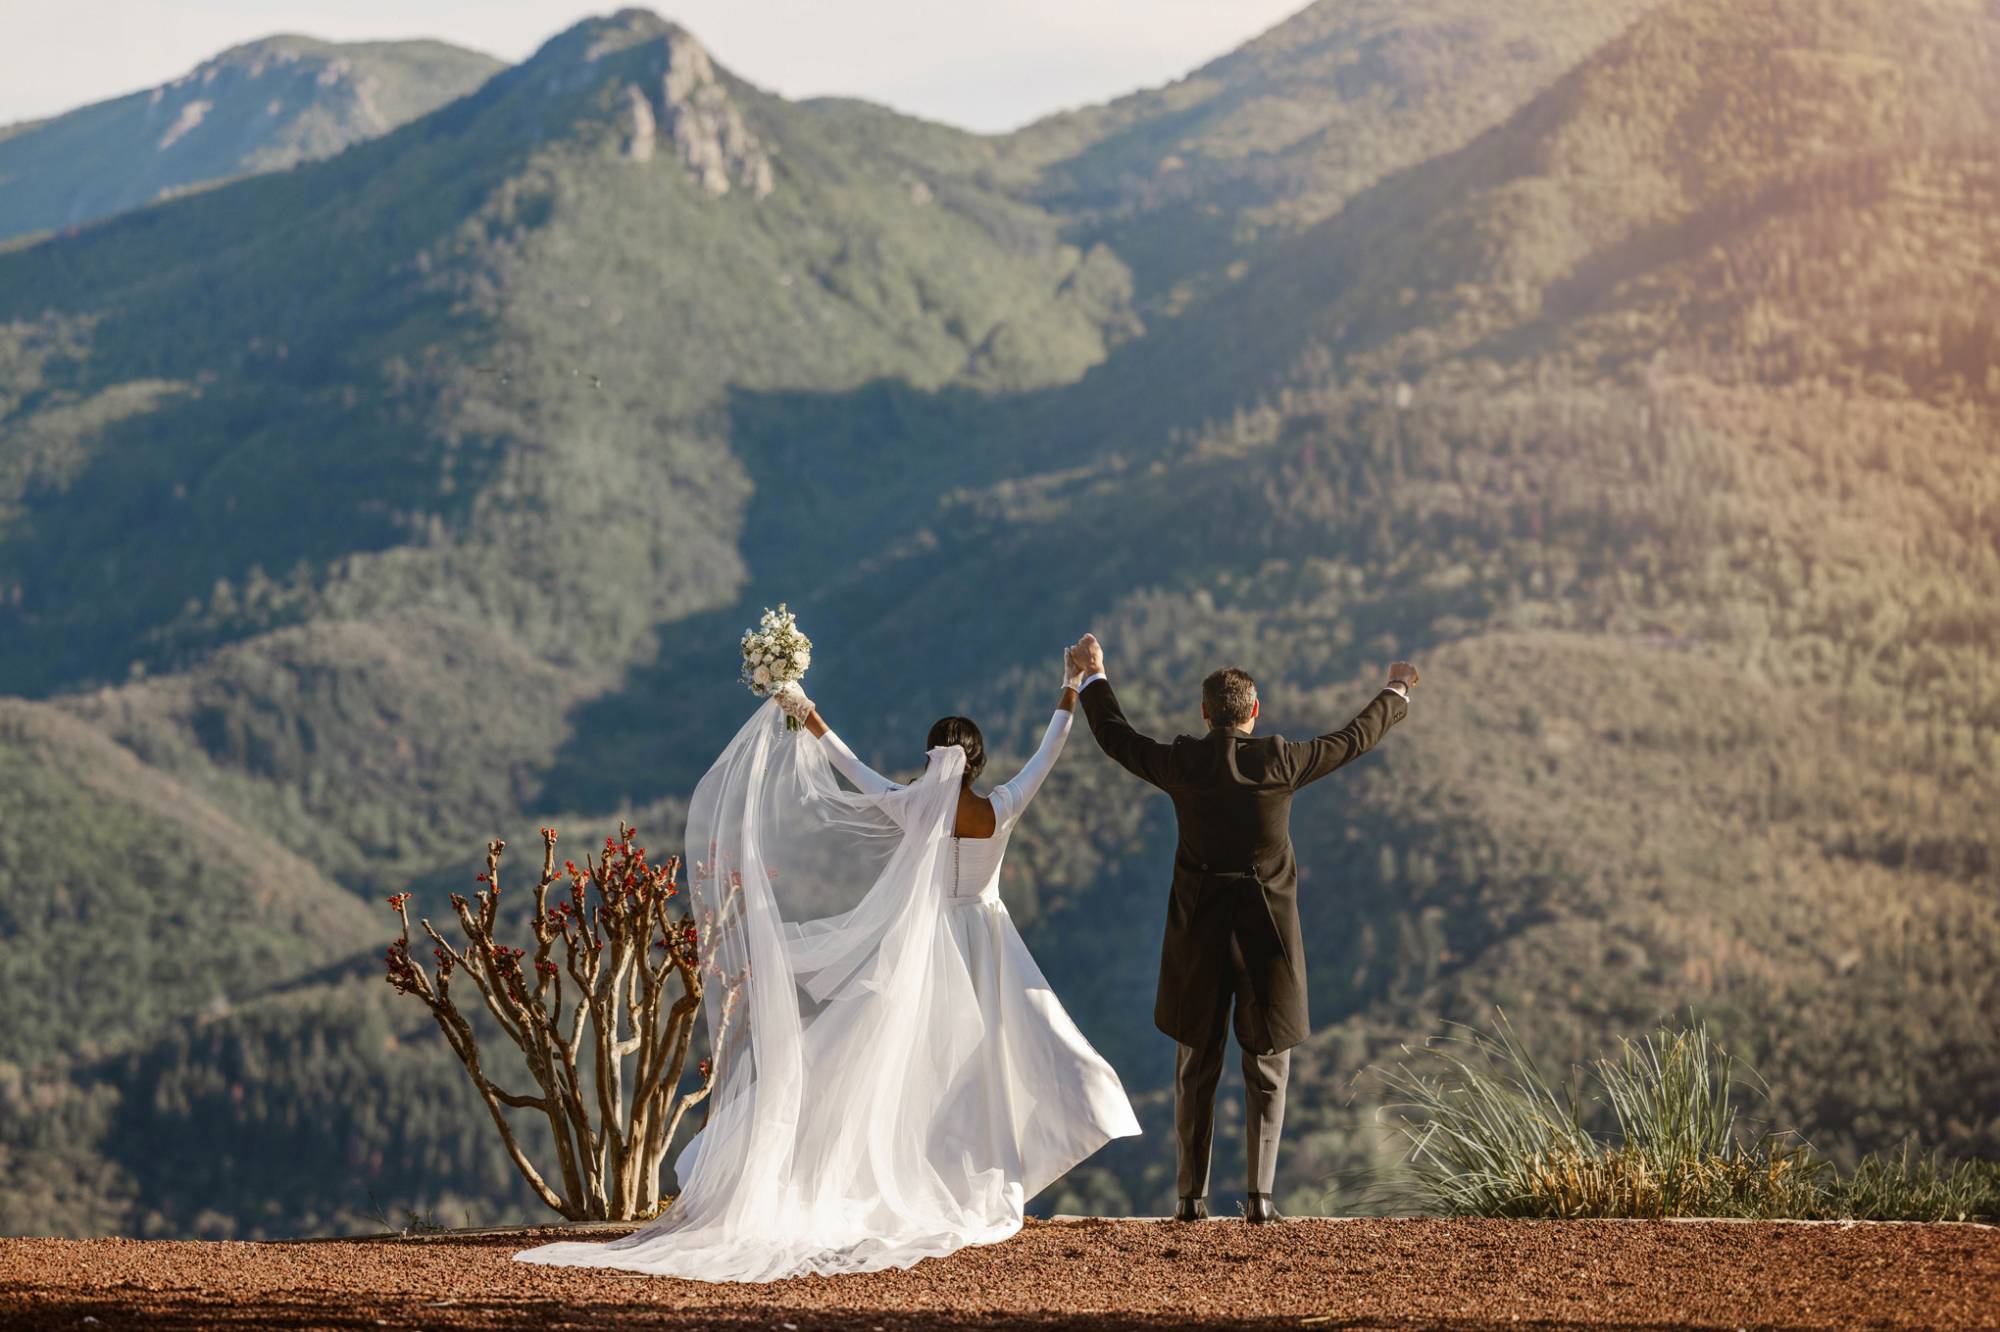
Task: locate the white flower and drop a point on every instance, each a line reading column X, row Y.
column 775, row 654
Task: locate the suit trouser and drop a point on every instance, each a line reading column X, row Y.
column 1197, row 1071
column 1197, row 1068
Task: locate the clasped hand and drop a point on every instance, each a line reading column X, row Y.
column 1084, row 657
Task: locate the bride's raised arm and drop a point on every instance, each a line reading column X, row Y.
column 865, row 779
column 1013, row 797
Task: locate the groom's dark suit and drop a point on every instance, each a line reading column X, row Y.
column 1232, row 936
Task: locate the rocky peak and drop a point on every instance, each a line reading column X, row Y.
column 679, row 95
column 666, row 92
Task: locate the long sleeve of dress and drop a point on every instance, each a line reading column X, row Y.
column 1016, row 794
column 866, row 779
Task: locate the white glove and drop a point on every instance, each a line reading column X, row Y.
column 792, row 701
column 1071, row 677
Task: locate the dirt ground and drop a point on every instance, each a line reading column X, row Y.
column 1098, row 1274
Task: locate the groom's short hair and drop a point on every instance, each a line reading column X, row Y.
column 1228, row 695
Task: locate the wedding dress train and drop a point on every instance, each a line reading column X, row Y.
column 894, row 1078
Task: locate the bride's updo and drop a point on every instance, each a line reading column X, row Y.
column 960, row 731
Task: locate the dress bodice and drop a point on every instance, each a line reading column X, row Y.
column 971, row 870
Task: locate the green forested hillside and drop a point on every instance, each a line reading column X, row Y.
column 263, row 106
column 1628, row 367
column 129, row 901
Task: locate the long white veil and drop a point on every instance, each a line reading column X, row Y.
column 839, row 1018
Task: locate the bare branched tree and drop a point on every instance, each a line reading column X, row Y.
column 595, row 999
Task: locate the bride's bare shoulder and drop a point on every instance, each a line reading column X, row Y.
column 976, row 816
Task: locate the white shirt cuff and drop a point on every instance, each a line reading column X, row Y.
column 1088, row 680
column 1399, row 689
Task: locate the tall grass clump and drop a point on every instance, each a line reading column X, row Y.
column 1650, row 1132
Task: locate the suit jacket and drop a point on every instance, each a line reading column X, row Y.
column 1233, row 918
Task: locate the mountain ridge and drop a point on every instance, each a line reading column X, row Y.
column 260, row 106
column 1250, row 148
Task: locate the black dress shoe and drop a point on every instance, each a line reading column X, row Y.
column 1192, row 1209
column 1260, row 1210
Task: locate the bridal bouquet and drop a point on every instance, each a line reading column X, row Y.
column 775, row 658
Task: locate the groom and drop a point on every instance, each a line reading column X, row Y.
column 1232, row 935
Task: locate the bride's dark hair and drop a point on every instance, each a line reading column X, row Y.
column 960, row 731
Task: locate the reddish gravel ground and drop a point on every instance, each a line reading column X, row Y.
column 1098, row 1274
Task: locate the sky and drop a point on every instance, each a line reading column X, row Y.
column 981, row 64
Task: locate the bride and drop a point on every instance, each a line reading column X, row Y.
column 893, row 1078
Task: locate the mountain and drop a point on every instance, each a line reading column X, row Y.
column 1191, row 181
column 1624, row 367
column 262, row 106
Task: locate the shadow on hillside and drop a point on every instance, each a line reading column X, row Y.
column 858, row 521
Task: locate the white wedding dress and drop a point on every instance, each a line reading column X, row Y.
column 894, row 1078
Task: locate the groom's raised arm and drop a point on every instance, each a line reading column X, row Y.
column 1140, row 755
column 1314, row 759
